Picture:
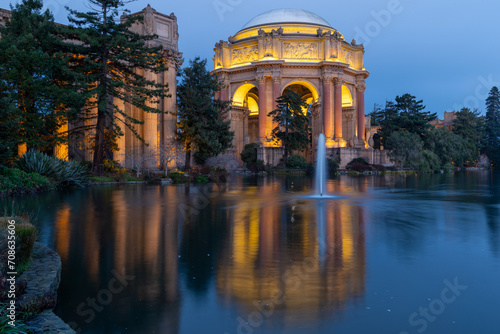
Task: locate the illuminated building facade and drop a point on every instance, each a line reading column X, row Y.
column 158, row 130
column 297, row 50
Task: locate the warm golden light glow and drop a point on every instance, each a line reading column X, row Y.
column 306, row 29
column 346, row 97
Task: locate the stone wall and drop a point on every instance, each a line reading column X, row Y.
column 43, row 277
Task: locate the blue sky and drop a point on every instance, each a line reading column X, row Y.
column 444, row 52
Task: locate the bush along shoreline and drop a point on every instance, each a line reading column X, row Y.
column 37, row 172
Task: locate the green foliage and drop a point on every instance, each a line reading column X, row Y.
column 36, row 87
column 359, row 165
column 249, row 154
column 110, row 59
column 404, row 113
column 178, row 177
column 101, row 179
column 427, row 162
column 16, row 181
column 218, row 174
column 10, row 126
column 492, row 131
column 406, row 148
column 5, row 328
column 468, row 124
column 451, row 148
column 64, row 173
column 112, row 166
column 26, row 235
column 200, row 179
column 202, row 121
column 333, row 166
column 293, row 130
column 297, row 161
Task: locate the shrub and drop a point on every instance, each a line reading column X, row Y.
column 218, row 174
column 333, row 167
column 63, row 173
column 112, row 166
column 359, row 165
column 16, row 181
column 379, row 168
column 297, row 161
column 26, row 235
column 201, row 179
column 177, row 177
column 249, row 155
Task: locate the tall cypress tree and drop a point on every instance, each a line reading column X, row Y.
column 35, row 77
column 492, row 133
column 293, row 130
column 110, row 59
column 202, row 120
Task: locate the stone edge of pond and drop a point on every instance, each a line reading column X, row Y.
column 43, row 277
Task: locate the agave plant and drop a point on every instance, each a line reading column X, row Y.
column 63, row 173
column 35, row 161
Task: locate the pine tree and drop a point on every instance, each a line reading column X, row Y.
column 35, row 77
column 10, row 124
column 110, row 59
column 389, row 123
column 293, row 130
column 412, row 116
column 492, row 133
column 202, row 120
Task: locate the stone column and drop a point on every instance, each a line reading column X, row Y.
column 360, row 91
column 338, row 108
column 276, row 94
column 120, row 155
column 262, row 108
column 169, row 123
column 327, row 107
column 150, row 130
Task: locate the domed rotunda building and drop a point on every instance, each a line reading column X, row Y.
column 297, row 50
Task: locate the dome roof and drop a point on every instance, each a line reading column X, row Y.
column 286, row 15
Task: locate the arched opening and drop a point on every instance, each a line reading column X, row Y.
column 247, row 97
column 308, row 93
column 346, row 97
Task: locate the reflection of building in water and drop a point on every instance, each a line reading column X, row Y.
column 107, row 234
column 281, row 251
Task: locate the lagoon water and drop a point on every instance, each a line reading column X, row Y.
column 391, row 254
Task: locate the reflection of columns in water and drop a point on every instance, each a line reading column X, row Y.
column 62, row 231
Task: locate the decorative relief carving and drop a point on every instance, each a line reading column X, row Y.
column 338, row 81
column 245, row 55
column 261, row 79
column 148, row 20
column 300, row 50
column 348, row 117
column 361, row 87
column 347, row 56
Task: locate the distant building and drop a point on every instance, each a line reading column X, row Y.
column 446, row 122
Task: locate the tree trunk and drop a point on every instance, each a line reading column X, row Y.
column 187, row 163
column 98, row 161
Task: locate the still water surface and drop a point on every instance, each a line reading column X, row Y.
column 392, row 254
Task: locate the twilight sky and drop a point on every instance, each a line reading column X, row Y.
column 444, row 52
